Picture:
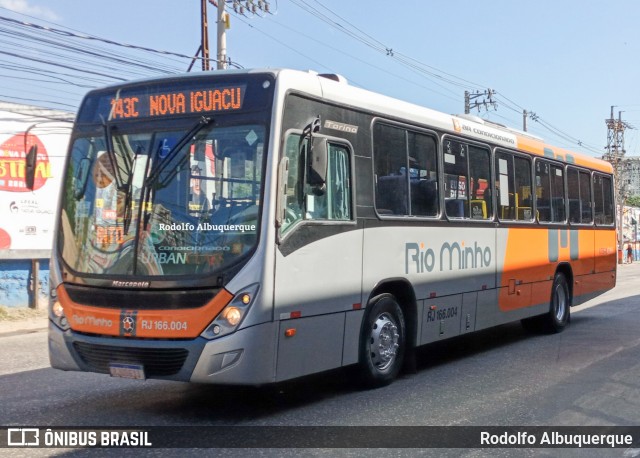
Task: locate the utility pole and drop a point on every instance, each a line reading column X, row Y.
column 615, row 156
column 244, row 8
column 222, row 36
column 524, row 120
column 204, row 37
column 203, row 49
column 472, row 100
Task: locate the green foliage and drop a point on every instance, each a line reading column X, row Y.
column 633, row 201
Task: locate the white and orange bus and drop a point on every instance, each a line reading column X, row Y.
column 249, row 227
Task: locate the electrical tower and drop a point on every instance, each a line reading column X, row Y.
column 615, row 137
column 615, row 149
column 615, row 156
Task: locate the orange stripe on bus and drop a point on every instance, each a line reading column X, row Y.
column 537, row 147
column 528, row 265
column 182, row 323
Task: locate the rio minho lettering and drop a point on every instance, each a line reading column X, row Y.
column 449, row 256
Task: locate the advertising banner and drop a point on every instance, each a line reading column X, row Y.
column 27, row 215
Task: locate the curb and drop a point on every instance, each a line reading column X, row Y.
column 20, row 332
column 10, row 328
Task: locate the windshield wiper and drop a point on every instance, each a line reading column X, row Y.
column 112, row 154
column 163, row 163
column 128, row 191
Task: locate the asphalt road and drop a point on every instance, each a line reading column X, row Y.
column 587, row 375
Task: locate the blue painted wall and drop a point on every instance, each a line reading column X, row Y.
column 15, row 276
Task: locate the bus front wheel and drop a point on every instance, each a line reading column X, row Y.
column 382, row 341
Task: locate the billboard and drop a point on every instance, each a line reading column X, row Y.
column 27, row 215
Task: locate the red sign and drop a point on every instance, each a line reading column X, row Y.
column 12, row 164
column 5, row 240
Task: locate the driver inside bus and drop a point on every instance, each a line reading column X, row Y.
column 198, row 202
column 107, row 194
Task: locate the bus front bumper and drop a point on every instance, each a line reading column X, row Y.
column 246, row 357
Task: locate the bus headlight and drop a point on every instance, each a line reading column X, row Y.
column 56, row 312
column 57, row 309
column 231, row 316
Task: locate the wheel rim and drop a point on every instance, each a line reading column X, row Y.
column 384, row 342
column 561, row 302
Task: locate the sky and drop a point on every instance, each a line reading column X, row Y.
column 566, row 61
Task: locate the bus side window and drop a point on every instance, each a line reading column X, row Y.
column 391, row 167
column 303, row 202
column 293, row 205
column 603, row 200
column 338, row 184
column 557, row 197
column 543, row 191
column 406, row 172
column 550, row 200
column 513, row 186
column 522, row 183
column 422, row 174
column 335, row 203
column 479, row 177
column 467, row 172
column 586, row 216
column 579, row 192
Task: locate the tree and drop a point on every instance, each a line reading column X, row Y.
column 633, row 201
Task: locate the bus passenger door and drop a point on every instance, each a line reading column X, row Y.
column 318, row 258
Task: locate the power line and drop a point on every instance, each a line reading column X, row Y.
column 419, row 67
column 57, row 64
column 239, row 17
column 510, row 104
column 428, row 71
column 83, row 36
column 353, row 57
column 36, row 100
column 49, row 81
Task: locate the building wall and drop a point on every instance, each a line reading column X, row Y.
column 632, row 175
column 15, row 283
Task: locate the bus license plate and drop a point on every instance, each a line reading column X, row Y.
column 133, row 371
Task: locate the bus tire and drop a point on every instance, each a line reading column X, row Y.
column 557, row 318
column 382, row 341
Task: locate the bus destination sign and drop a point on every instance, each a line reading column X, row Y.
column 142, row 104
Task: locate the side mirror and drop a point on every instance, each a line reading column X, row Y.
column 317, row 162
column 30, row 166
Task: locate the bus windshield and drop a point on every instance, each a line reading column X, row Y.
column 159, row 202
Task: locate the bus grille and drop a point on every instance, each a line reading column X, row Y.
column 156, row 361
column 138, row 300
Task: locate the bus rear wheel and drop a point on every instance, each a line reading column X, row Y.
column 382, row 341
column 557, row 318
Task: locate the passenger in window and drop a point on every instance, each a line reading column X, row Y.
column 198, row 202
column 107, row 191
column 488, row 192
column 103, row 174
